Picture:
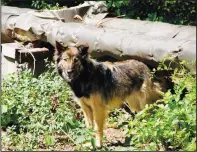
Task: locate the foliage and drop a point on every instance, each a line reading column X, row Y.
column 42, row 4
column 39, row 112
column 171, row 11
column 3, row 3
column 37, row 4
column 169, row 124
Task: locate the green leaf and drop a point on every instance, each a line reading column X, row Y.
column 80, row 139
column 93, row 143
column 49, row 140
column 174, row 122
column 4, row 108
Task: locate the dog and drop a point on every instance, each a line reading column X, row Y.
column 102, row 86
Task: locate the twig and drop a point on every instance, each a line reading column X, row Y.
column 33, row 50
column 34, row 62
column 67, row 135
column 31, row 55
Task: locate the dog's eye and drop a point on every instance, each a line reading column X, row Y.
column 65, row 59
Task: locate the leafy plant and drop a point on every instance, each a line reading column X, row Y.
column 169, row 124
column 39, row 111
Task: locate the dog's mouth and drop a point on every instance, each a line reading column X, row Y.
column 68, row 75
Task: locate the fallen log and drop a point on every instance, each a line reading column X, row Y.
column 157, row 29
column 151, row 43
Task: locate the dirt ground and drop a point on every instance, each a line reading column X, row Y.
column 113, row 137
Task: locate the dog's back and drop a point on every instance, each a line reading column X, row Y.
column 132, row 83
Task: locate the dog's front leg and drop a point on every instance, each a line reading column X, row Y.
column 88, row 114
column 100, row 115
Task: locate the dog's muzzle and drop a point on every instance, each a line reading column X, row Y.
column 70, row 73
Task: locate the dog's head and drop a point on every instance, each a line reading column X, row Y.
column 69, row 60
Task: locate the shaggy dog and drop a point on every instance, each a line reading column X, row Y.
column 102, row 86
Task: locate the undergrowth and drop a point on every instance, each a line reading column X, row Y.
column 39, row 113
column 170, row 123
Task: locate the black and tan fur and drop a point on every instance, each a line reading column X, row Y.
column 101, row 86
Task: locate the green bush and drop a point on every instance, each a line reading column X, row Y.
column 171, row 11
column 38, row 112
column 169, row 124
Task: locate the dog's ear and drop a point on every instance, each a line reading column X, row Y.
column 59, row 47
column 83, row 49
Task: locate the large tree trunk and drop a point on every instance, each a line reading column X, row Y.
column 149, row 42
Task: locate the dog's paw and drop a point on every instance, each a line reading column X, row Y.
column 98, row 143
